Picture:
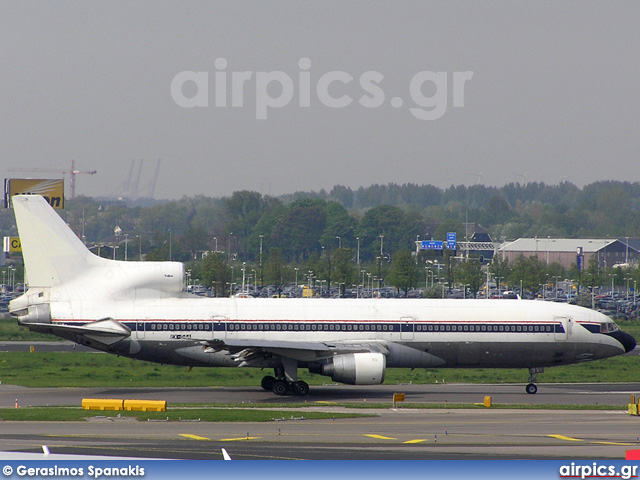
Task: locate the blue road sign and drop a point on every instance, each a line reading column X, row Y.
column 432, row 245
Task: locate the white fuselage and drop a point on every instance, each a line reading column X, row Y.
column 417, row 333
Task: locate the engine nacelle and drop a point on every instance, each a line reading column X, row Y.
column 355, row 368
column 165, row 277
column 39, row 313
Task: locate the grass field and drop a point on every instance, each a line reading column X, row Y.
column 98, row 369
column 70, row 414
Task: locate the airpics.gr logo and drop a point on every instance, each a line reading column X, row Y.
column 277, row 89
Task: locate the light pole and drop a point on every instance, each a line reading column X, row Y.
column 255, row 281
column 358, row 254
column 126, row 246
column 139, row 247
column 215, row 239
column 261, row 275
column 231, row 292
column 486, row 288
column 626, row 251
column 381, row 239
column 613, row 276
column 339, row 242
column 296, row 269
column 169, row 244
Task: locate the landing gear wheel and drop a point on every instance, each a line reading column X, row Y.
column 531, row 389
column 267, row 383
column 301, row 388
column 280, row 387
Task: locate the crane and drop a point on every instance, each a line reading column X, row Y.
column 72, row 174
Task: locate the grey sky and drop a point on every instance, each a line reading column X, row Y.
column 554, row 93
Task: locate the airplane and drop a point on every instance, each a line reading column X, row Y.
column 141, row 310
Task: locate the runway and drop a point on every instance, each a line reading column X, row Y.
column 400, row 433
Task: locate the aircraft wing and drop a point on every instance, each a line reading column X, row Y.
column 245, row 351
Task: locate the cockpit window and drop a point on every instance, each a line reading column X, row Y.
column 608, row 327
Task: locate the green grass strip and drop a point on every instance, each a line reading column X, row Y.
column 73, row 414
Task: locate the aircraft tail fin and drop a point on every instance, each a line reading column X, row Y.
column 52, row 253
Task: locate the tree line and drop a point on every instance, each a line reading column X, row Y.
column 373, row 227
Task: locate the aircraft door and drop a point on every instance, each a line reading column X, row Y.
column 406, row 328
column 140, row 328
column 218, row 326
column 562, row 328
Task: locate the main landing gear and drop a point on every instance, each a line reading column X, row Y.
column 283, row 387
column 532, row 388
column 286, row 380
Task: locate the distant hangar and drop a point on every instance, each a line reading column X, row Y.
column 608, row 252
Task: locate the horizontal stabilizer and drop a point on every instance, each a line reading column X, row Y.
column 106, row 331
column 106, row 326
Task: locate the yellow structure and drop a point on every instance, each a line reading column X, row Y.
column 308, row 292
column 398, row 397
column 146, row 405
column 120, row 404
column 102, row 404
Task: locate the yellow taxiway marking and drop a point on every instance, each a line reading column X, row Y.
column 379, row 437
column 239, row 439
column 569, row 439
column 616, row 443
column 194, row 437
column 417, row 440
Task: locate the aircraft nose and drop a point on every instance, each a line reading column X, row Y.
column 627, row 341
